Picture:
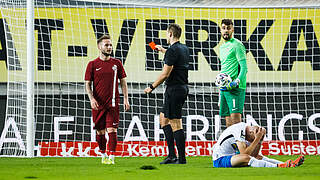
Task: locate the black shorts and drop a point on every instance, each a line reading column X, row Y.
column 174, row 98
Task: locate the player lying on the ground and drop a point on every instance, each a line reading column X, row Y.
column 239, row 146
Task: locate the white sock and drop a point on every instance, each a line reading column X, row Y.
column 104, row 155
column 274, row 161
column 260, row 163
column 111, row 157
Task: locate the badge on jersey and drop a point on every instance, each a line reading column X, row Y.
column 242, row 135
column 235, row 148
column 114, row 67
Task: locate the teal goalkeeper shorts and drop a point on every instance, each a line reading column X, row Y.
column 232, row 101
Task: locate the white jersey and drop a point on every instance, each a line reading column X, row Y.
column 226, row 144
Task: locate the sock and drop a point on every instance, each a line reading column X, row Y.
column 274, row 161
column 101, row 140
column 260, row 163
column 103, row 155
column 181, row 144
column 170, row 140
column 111, row 157
column 112, row 144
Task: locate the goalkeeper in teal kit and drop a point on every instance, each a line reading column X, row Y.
column 234, row 64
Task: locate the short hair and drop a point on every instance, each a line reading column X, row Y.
column 175, row 29
column 105, row 36
column 227, row 22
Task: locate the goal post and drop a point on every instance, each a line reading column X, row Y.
column 30, row 79
column 283, row 80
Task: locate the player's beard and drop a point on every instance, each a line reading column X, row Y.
column 106, row 54
column 226, row 37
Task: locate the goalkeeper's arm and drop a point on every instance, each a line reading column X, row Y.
column 243, row 70
column 241, row 77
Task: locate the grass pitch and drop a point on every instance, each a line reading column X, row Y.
column 148, row 168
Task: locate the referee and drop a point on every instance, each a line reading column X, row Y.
column 175, row 72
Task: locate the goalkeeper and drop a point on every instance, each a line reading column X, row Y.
column 233, row 63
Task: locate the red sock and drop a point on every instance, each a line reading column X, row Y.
column 112, row 144
column 101, row 140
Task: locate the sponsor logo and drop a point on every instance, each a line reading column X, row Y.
column 97, row 69
column 296, row 53
column 158, row 148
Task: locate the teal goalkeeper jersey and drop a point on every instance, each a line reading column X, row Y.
column 233, row 58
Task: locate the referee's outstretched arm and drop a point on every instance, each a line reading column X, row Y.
column 163, row 76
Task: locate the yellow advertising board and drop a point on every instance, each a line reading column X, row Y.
column 274, row 45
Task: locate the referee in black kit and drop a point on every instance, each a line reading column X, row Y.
column 175, row 72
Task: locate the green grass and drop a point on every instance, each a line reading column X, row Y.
column 129, row 168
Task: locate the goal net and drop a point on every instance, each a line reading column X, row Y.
column 283, row 57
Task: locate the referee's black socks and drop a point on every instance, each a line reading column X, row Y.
column 181, row 145
column 170, row 140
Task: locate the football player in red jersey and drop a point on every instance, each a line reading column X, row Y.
column 103, row 74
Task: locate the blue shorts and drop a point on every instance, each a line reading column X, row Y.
column 224, row 161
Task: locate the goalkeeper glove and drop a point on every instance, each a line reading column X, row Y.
column 230, row 85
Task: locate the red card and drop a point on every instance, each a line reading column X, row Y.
column 152, row 45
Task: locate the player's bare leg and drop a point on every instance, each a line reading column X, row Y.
column 163, row 121
column 176, row 124
column 179, row 137
column 167, row 129
column 240, row 160
column 234, row 118
column 228, row 121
